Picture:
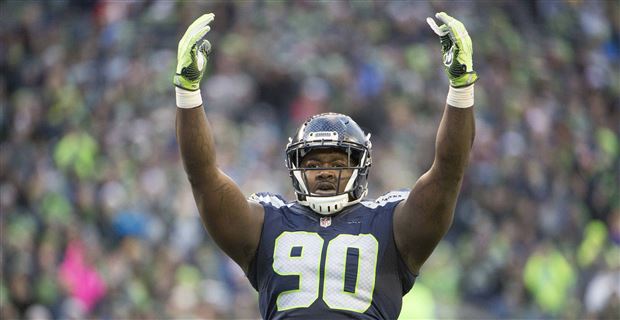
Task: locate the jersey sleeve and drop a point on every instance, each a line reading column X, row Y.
column 268, row 199
column 271, row 203
column 388, row 200
column 393, row 197
column 388, row 203
column 407, row 277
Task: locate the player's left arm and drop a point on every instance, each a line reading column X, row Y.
column 424, row 218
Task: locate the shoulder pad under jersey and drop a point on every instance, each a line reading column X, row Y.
column 392, row 196
column 267, row 198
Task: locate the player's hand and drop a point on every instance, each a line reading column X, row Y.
column 192, row 54
column 456, row 49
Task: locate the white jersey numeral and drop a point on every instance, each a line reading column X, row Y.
column 349, row 272
column 339, row 253
column 295, row 253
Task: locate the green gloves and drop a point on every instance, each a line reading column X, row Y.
column 192, row 54
column 456, row 49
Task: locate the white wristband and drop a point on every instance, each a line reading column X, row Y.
column 461, row 97
column 188, row 99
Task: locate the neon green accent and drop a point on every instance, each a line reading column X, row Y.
column 418, row 304
column 595, row 235
column 356, row 294
column 77, row 152
column 282, row 294
column 192, row 54
column 457, row 52
column 549, row 277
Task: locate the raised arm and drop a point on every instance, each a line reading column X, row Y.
column 233, row 222
column 424, row 218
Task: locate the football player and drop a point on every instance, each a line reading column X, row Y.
column 330, row 253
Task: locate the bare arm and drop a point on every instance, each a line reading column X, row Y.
column 233, row 222
column 424, row 218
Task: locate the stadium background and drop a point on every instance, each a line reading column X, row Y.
column 97, row 219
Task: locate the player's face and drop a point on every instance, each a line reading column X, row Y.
column 325, row 181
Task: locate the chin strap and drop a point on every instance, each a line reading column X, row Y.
column 326, row 205
column 330, row 205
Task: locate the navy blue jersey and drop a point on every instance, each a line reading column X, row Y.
column 341, row 267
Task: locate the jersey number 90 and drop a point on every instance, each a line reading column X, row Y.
column 348, row 274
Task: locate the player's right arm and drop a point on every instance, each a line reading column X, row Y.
column 233, row 222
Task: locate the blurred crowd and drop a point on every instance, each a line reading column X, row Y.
column 96, row 215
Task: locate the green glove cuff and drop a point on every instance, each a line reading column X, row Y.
column 466, row 79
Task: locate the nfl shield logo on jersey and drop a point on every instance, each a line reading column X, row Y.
column 326, row 222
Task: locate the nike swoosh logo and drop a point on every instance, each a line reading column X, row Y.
column 200, row 61
column 448, row 57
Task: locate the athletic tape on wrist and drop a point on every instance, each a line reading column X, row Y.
column 188, row 99
column 461, row 97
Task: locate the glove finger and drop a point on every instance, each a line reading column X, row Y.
column 457, row 30
column 199, row 24
column 200, row 34
column 445, row 18
column 202, row 21
column 195, row 37
column 188, row 42
column 438, row 31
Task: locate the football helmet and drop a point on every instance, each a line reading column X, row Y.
column 330, row 131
